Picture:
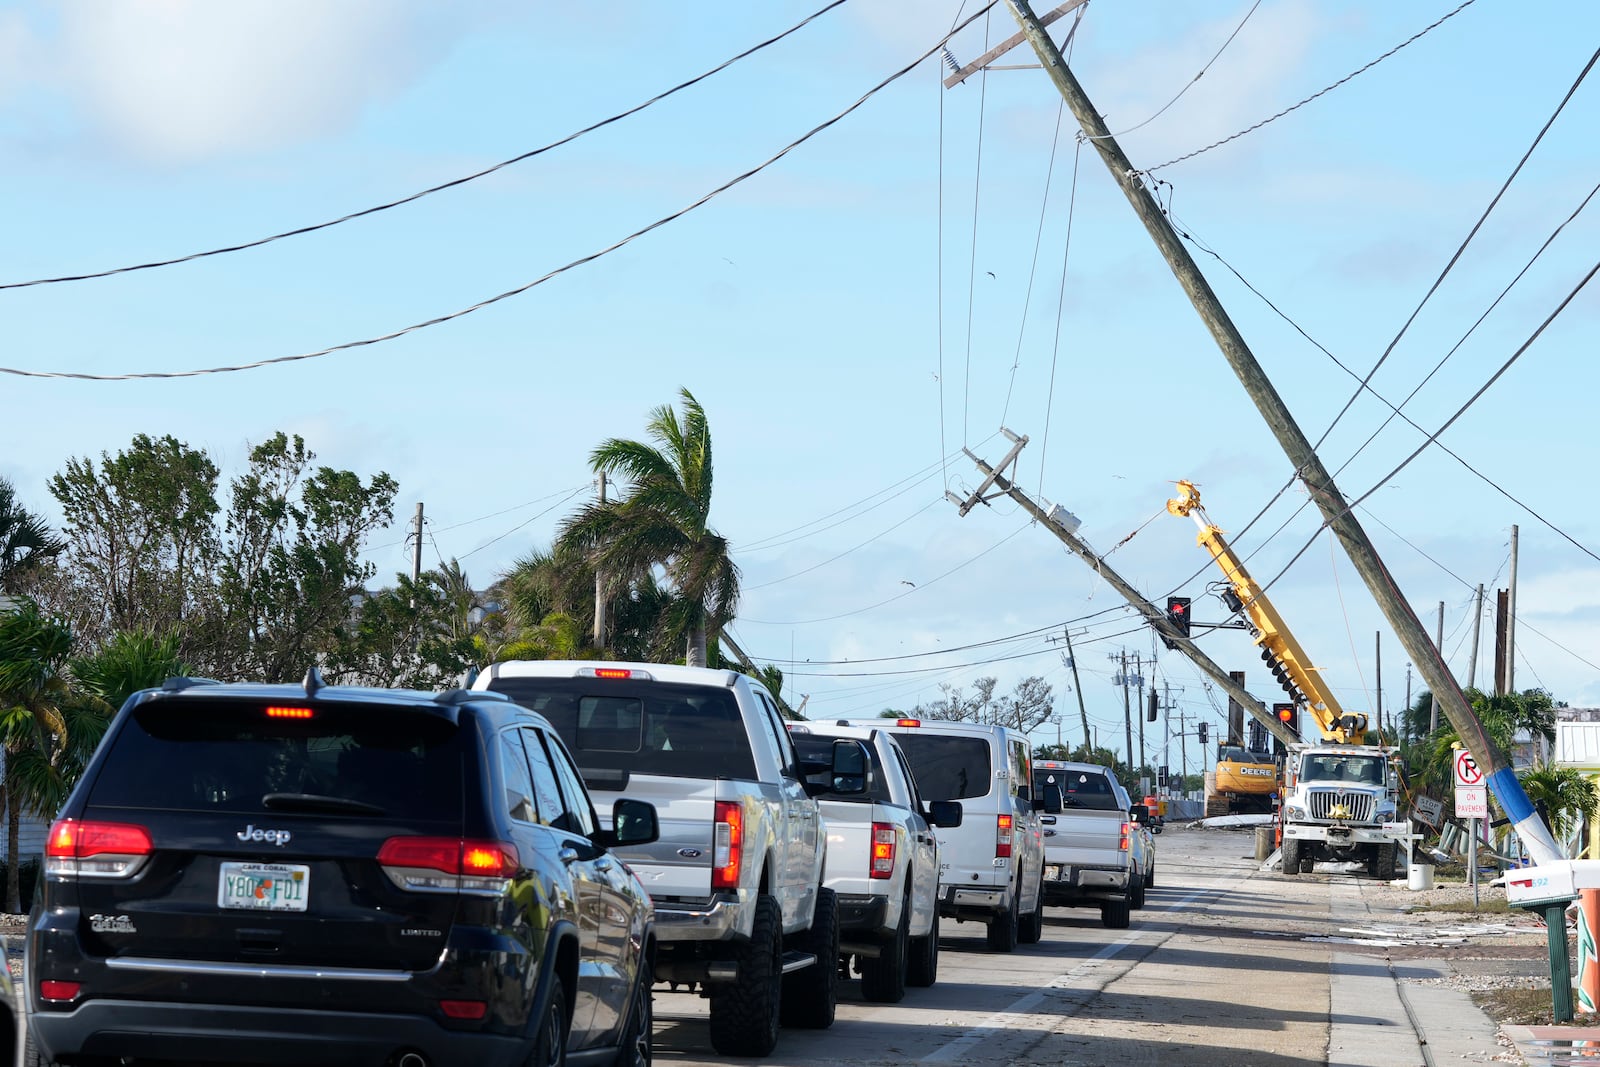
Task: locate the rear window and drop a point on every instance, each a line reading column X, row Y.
column 1079, row 789
column 641, row 727
column 229, row 756
column 819, row 748
column 947, row 767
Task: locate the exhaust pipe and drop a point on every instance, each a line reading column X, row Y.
column 411, row 1059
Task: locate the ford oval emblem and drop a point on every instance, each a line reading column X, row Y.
column 690, row 853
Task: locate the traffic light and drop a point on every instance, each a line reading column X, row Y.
column 1289, row 715
column 1151, row 709
column 1201, row 729
column 1178, row 614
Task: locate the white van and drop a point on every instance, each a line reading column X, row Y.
column 991, row 867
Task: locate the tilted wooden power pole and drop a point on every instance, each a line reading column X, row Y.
column 1337, row 515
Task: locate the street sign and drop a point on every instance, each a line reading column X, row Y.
column 1467, row 770
column 1472, row 802
column 1428, row 810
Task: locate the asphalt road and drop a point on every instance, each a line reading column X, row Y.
column 1213, row 971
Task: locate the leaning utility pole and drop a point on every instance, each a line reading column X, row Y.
column 1063, row 529
column 1337, row 513
column 1083, row 712
column 416, row 549
column 1433, row 709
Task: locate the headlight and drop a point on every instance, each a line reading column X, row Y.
column 1296, row 813
column 1385, row 809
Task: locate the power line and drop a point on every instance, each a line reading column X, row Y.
column 518, row 291
column 522, row 524
column 848, row 551
column 1192, row 82
column 569, row 138
column 1295, row 107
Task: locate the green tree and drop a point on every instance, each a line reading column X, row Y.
column 26, row 541
column 1431, row 757
column 291, row 557
column 1564, row 796
column 141, row 537
column 661, row 524
column 34, row 722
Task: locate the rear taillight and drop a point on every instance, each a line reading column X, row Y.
column 87, row 849
column 59, row 991
column 449, row 864
column 1002, row 837
column 464, row 1009
column 1124, row 842
column 883, row 838
column 727, row 845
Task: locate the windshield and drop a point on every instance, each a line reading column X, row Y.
column 1361, row 770
column 1079, row 789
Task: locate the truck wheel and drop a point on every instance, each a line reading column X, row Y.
column 924, row 966
column 1291, row 856
column 1138, row 891
column 1003, row 929
column 1383, row 863
column 1031, row 928
column 883, row 980
column 744, row 1012
column 1114, row 915
column 1150, row 877
column 811, row 993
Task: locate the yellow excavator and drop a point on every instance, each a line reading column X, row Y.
column 1245, row 781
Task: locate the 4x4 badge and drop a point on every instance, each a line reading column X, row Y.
column 277, row 837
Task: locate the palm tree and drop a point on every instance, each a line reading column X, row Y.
column 34, row 722
column 1564, row 795
column 661, row 521
column 25, row 540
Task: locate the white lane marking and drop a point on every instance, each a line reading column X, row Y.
column 1016, row 1012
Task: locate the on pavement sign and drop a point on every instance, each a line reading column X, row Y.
column 1472, row 801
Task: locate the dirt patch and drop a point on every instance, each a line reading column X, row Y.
column 1526, row 1007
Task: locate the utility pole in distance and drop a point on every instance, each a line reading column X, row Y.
column 600, row 588
column 1337, row 514
column 1083, row 711
column 416, row 549
column 1127, row 712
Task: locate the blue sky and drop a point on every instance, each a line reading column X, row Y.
column 853, row 315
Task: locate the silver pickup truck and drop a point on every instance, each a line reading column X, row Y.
column 1088, row 840
column 736, row 876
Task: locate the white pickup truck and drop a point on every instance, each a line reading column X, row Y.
column 736, row 876
column 1088, row 840
column 882, row 863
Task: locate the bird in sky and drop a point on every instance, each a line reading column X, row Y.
column 905, row 582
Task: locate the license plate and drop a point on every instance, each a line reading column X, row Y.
column 264, row 886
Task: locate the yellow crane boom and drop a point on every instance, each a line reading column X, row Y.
column 1279, row 649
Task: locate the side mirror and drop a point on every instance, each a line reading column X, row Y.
column 1053, row 803
column 848, row 771
column 1138, row 813
column 633, row 822
column 945, row 813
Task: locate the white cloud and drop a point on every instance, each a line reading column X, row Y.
column 181, row 80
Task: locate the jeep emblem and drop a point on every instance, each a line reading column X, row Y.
column 276, row 837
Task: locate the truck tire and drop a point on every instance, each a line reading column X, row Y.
column 1150, row 877
column 924, row 967
column 1291, row 856
column 744, row 1012
column 1031, row 928
column 1003, row 928
column 1138, row 891
column 883, row 980
column 811, row 994
column 1114, row 915
column 1383, row 863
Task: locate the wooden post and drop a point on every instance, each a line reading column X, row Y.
column 1337, row 512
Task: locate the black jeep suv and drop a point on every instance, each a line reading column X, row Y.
column 276, row 874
